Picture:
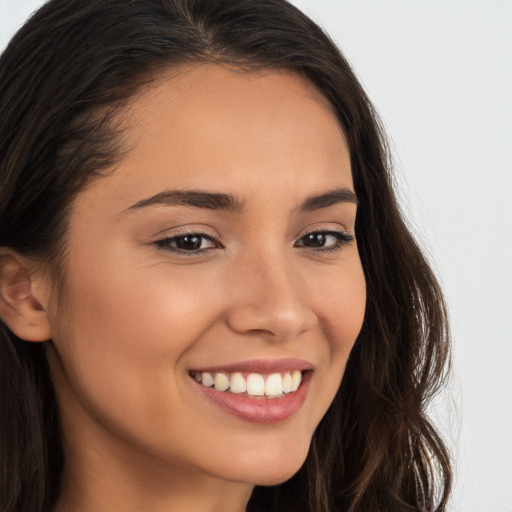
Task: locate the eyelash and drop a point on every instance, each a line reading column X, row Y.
column 164, row 243
column 342, row 238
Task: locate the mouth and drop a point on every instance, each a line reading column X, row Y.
column 257, row 385
column 261, row 392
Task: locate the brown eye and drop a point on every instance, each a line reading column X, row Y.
column 315, row 240
column 188, row 243
column 325, row 240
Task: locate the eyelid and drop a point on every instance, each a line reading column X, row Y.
column 186, row 229
column 171, row 235
column 326, row 228
column 165, row 241
column 342, row 236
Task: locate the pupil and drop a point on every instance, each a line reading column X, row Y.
column 316, row 239
column 189, row 242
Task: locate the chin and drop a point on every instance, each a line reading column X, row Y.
column 271, row 471
column 276, row 478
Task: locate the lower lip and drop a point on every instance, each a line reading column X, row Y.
column 258, row 409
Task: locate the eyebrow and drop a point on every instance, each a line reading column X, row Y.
column 195, row 198
column 339, row 195
column 227, row 202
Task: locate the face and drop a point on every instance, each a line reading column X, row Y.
column 220, row 249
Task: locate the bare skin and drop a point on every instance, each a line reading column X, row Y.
column 270, row 277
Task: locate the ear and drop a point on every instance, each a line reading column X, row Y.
column 20, row 310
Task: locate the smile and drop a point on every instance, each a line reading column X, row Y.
column 260, row 391
column 272, row 385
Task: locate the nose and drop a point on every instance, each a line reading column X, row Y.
column 269, row 300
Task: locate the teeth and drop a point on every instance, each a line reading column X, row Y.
column 287, row 383
column 255, row 385
column 221, row 382
column 296, row 378
column 207, row 379
column 272, row 385
column 238, row 384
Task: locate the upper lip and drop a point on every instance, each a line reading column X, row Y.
column 260, row 366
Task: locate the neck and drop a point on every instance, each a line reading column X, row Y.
column 144, row 486
column 102, row 473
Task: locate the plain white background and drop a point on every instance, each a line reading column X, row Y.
column 440, row 74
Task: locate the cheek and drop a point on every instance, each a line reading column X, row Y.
column 123, row 334
column 145, row 310
column 341, row 311
column 342, row 306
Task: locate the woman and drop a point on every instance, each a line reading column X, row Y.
column 199, row 244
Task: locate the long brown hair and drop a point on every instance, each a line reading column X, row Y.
column 63, row 78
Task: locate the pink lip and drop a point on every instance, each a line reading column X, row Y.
column 260, row 409
column 260, row 366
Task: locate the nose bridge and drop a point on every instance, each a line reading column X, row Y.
column 269, row 297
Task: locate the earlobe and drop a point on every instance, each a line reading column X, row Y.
column 25, row 316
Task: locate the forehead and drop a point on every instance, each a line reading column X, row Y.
column 210, row 128
column 216, row 90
